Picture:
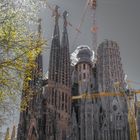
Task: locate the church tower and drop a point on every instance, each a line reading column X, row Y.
column 86, row 109
column 58, row 90
column 64, row 67
column 28, row 127
column 55, row 50
column 113, row 113
column 109, row 67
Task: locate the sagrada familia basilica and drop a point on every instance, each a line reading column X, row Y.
column 59, row 111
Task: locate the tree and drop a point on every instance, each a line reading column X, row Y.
column 19, row 46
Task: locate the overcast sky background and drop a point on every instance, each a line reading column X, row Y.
column 117, row 20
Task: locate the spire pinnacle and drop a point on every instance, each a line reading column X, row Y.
column 55, row 49
column 13, row 136
column 39, row 27
column 56, row 14
column 65, row 14
column 7, row 135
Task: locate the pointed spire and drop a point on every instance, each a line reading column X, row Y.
column 13, row 135
column 7, row 136
column 38, row 71
column 39, row 58
column 65, row 56
column 39, row 27
column 56, row 14
column 55, row 49
column 65, row 14
column 65, row 41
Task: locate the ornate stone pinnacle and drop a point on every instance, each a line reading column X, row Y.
column 39, row 26
column 56, row 13
column 65, row 14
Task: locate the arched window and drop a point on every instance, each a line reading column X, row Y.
column 33, row 136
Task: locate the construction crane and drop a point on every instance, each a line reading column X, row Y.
column 93, row 6
column 68, row 23
column 102, row 94
column 131, row 102
column 131, row 118
column 80, row 23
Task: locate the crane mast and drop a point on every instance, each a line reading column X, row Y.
column 131, row 115
column 93, row 5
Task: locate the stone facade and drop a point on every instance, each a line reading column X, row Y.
column 48, row 114
column 86, row 110
column 104, row 118
column 30, row 122
column 109, row 67
column 58, row 90
column 52, row 116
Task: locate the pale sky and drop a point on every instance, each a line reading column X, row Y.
column 117, row 20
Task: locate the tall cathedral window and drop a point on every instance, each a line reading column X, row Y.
column 79, row 68
column 79, row 76
column 62, row 96
column 44, row 123
column 62, row 100
column 66, row 102
column 55, row 98
column 52, row 96
column 84, row 76
column 84, row 66
column 59, row 100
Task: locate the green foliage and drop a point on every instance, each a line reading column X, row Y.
column 19, row 48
